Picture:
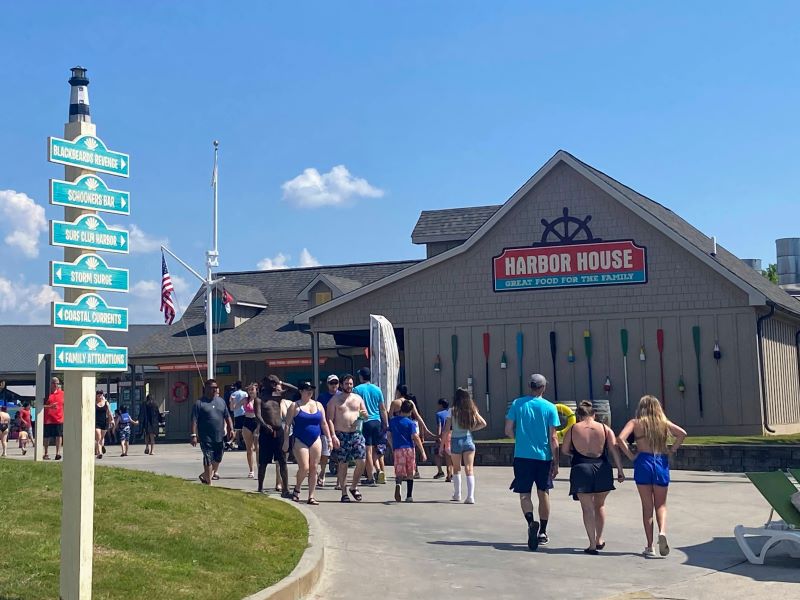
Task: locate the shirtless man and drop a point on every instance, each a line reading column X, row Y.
column 270, row 439
column 344, row 411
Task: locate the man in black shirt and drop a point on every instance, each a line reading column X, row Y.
column 210, row 415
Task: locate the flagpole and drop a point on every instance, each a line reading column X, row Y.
column 212, row 260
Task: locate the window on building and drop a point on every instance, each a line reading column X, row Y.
column 321, row 297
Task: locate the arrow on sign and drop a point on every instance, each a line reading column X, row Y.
column 124, row 204
column 121, row 241
column 58, row 273
column 61, row 356
column 122, row 162
column 60, row 313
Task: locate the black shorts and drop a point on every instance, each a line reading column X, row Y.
column 371, row 430
column 250, row 423
column 528, row 471
column 53, row 430
column 270, row 447
column 238, row 422
column 212, row 452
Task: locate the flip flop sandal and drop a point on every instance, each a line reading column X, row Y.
column 313, row 502
column 345, row 499
column 296, row 495
column 215, row 477
column 356, row 494
column 202, row 479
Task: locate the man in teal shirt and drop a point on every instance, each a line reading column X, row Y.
column 377, row 419
column 532, row 422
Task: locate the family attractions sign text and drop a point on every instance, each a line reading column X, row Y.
column 569, row 261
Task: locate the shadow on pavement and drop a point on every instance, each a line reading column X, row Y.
column 723, row 554
column 524, row 548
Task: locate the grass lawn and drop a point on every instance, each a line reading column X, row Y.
column 154, row 536
column 706, row 440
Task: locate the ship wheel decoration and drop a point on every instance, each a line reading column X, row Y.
column 568, row 230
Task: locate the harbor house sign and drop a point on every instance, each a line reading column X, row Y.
column 569, row 256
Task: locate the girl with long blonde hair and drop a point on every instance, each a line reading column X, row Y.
column 463, row 420
column 651, row 429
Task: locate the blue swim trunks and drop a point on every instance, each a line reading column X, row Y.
column 651, row 469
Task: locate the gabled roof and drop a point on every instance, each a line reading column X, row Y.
column 337, row 285
column 20, row 344
column 450, row 224
column 758, row 288
column 245, row 294
column 271, row 330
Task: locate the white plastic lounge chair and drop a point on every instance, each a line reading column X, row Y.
column 777, row 489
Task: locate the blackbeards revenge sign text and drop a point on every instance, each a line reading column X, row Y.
column 573, row 265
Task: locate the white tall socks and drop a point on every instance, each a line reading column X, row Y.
column 471, row 487
column 457, row 486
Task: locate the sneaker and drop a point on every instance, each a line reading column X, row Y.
column 663, row 546
column 397, row 496
column 58, row 457
column 469, row 501
column 648, row 553
column 251, row 475
column 543, row 539
column 417, row 475
column 381, row 477
column 455, row 498
column 409, row 499
column 533, row 536
column 448, row 479
column 438, row 476
column 375, row 477
column 146, row 451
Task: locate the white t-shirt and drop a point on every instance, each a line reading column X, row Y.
column 238, row 399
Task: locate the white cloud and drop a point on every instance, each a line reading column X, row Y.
column 281, row 261
column 21, row 302
column 306, row 260
column 337, row 187
column 24, row 220
column 141, row 242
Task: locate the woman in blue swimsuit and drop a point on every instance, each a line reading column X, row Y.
column 306, row 417
column 651, row 430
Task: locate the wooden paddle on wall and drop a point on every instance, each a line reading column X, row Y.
column 519, row 359
column 660, row 340
column 553, row 358
column 486, row 355
column 623, row 337
column 696, row 338
column 587, row 346
column 454, row 349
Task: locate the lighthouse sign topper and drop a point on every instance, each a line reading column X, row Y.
column 569, row 256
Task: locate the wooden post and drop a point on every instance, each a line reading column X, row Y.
column 77, row 488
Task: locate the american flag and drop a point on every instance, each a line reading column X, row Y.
column 167, row 307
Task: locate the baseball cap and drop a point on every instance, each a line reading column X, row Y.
column 365, row 372
column 538, row 380
column 332, row 379
column 306, row 385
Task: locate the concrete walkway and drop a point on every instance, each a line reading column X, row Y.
column 437, row 549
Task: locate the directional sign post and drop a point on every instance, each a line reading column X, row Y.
column 87, row 152
column 89, row 311
column 90, row 353
column 89, row 272
column 91, row 193
column 88, row 232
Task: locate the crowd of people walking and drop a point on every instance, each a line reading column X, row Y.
column 350, row 425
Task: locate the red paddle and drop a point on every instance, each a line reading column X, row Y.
column 660, row 340
column 486, row 354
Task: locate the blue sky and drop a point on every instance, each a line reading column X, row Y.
column 424, row 105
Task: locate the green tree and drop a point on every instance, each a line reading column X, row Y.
column 771, row 273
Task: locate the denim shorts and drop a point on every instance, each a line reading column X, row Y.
column 462, row 444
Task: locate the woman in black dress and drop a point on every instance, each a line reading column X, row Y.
column 591, row 477
column 150, row 424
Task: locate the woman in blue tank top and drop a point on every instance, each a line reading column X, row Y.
column 307, row 418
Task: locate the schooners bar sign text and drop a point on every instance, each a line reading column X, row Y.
column 576, row 263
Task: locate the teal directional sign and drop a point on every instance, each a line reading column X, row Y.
column 89, row 271
column 89, row 311
column 87, row 152
column 89, row 232
column 89, row 191
column 90, row 353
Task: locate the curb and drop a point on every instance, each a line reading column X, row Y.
column 308, row 571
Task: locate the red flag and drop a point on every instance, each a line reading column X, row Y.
column 167, row 307
column 226, row 300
